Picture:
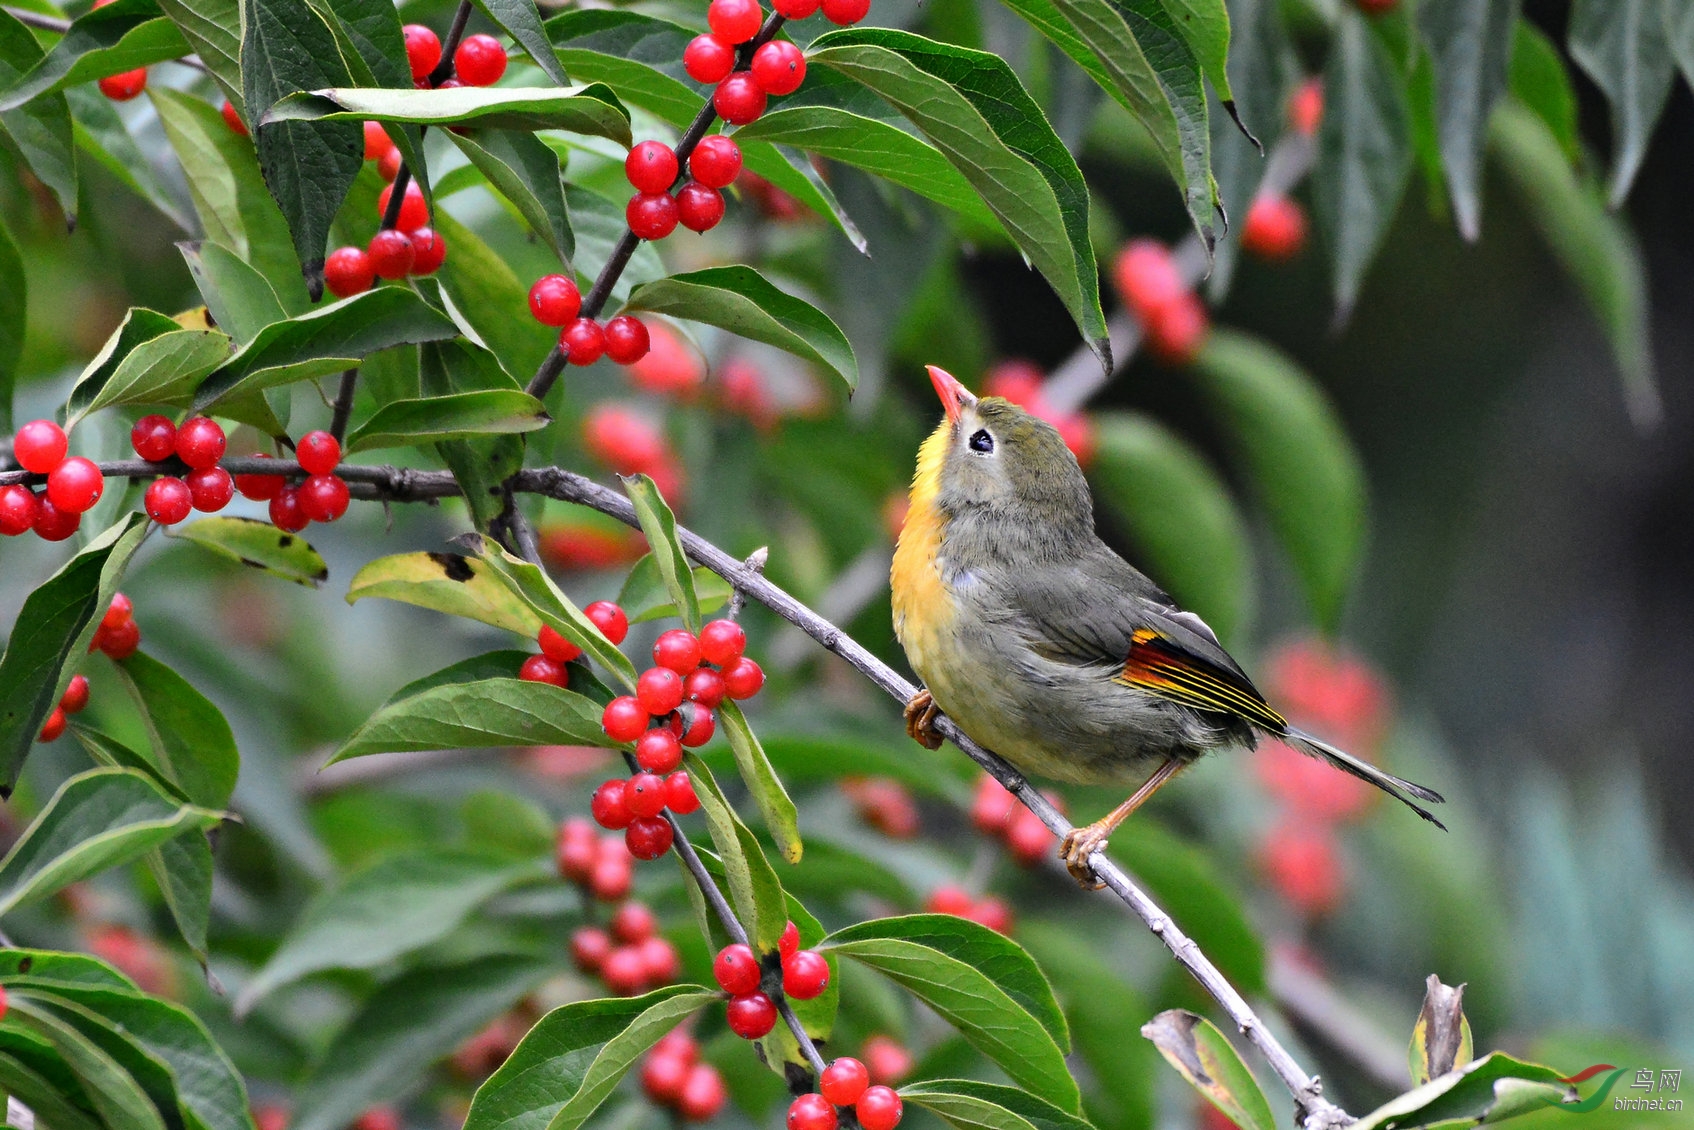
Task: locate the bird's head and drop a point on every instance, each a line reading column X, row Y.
column 992, row 457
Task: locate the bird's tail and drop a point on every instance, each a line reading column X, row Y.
column 1396, row 787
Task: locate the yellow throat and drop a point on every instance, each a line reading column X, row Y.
column 923, row 608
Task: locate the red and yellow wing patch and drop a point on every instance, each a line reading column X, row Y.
column 1157, row 666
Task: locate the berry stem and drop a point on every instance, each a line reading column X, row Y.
column 344, row 404
column 455, row 32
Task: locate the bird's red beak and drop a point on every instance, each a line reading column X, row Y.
column 954, row 395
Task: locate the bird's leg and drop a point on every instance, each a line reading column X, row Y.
column 1081, row 843
column 921, row 713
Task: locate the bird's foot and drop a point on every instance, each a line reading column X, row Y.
column 921, row 713
column 1078, row 846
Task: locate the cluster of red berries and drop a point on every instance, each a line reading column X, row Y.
column 1275, row 227
column 124, row 85
column 71, row 702
column 1021, row 382
column 631, row 444
column 118, row 636
column 479, row 60
column 883, row 803
column 996, row 812
column 578, row 545
column 556, row 300
column 199, row 442
column 410, row 247
column 673, row 1077
column 482, row 1054
column 74, row 484
column 846, row 1083
column 990, row 911
column 738, row 971
column 630, row 957
column 1172, row 316
column 652, row 168
column 601, row 865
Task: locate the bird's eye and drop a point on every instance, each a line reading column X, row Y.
column 982, row 441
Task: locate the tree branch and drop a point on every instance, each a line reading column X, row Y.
column 344, row 403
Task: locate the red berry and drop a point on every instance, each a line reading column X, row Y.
column 429, row 251
column 557, row 647
column 285, row 511
column 125, row 85
column 610, row 805
column 738, row 99
column 624, row 972
column 843, row 1081
column 540, row 669
column 789, row 943
column 154, row 438
column 811, row 1112
column 693, row 724
column 993, row 806
column 950, row 900
column 677, row 649
column 644, row 794
column 554, row 300
column 376, row 141
column 1176, row 333
column 1305, row 107
column 751, row 1016
column 120, row 642
column 1275, row 229
column 1303, row 861
column 1027, row 838
column 75, row 485
column 200, row 442
column 679, row 794
column 348, row 271
column 54, row 726
column 658, row 751
column 626, row 337
column 992, row 913
column 583, row 340
column 736, row 969
column 1147, row 277
column 660, row 959
column 211, row 489
column 414, row 213
column 75, row 698
column 625, row 440
column 651, row 215
column 704, row 686
column 1375, row 7
column 846, row 12
column 743, row 678
column 232, row 118
column 651, row 167
column 795, row 9
column 779, row 67
column 612, row 878
column 734, row 21
column 589, row 947
column 648, row 837
column 708, row 59
column 324, row 498
column 634, row 922
column 716, row 161
column 805, row 975
column 377, row 1118
column 391, row 253
column 609, row 618
column 423, row 50
column 51, row 523
column 624, row 719
column 677, row 1042
column 40, row 446
column 388, row 165
column 662, row 1077
column 576, row 858
column 884, row 804
column 319, row 453
column 698, row 208
column 703, row 1095
column 659, row 690
column 479, row 60
column 722, row 642
column 878, row 1109
column 260, row 488
column 18, row 509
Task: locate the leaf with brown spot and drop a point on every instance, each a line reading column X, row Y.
column 446, row 582
column 254, row 543
column 1193, row 1045
column 1441, row 1039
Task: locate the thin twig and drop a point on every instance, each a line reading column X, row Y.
column 455, row 32
column 36, row 19
column 344, row 404
column 756, row 562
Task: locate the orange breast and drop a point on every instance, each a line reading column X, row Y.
column 923, row 606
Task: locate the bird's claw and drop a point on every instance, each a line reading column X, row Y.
column 1077, row 850
column 921, row 713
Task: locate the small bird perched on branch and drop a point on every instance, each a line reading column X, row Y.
column 1047, row 647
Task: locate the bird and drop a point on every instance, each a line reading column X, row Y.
column 1044, row 645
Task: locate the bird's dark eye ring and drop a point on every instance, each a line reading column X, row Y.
column 981, row 441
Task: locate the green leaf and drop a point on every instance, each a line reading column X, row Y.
column 1303, row 467
column 982, row 983
column 573, row 1057
column 213, row 29
column 1194, row 1046
column 459, row 415
column 488, row 712
column 12, row 322
column 192, row 745
column 531, row 584
column 97, row 819
column 57, row 969
column 529, row 174
column 644, row 595
column 101, row 134
column 112, row 1092
column 259, row 545
column 406, row 1027
column 1594, row 246
column 1204, row 24
column 1469, row 43
column 1179, row 514
column 51, row 635
column 592, row 110
column 972, row 107
column 522, row 22
column 487, row 296
column 399, row 905
column 508, row 823
column 47, row 1099
column 754, row 890
column 775, row 807
column 659, row 526
column 139, row 326
column 373, row 45
column 163, row 370
column 1623, row 47
column 969, row 1105
column 744, row 302
column 42, row 129
column 1490, row 1089
column 119, row 37
column 1540, row 81
column 229, row 194
column 182, row 868
column 308, row 166
column 447, row 582
column 1679, row 31
column 1441, row 1038
column 480, row 464
column 325, row 341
